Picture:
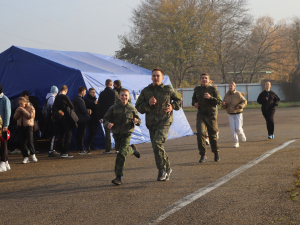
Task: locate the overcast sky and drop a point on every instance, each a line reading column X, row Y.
column 90, row 25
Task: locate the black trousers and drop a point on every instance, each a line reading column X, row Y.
column 26, row 140
column 108, row 140
column 3, row 151
column 269, row 117
column 81, row 132
column 64, row 130
column 92, row 125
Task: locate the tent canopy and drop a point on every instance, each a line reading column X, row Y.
column 36, row 70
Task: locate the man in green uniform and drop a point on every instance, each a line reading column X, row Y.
column 158, row 101
column 120, row 118
column 205, row 99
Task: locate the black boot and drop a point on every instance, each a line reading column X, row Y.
column 117, row 181
column 202, row 159
column 136, row 152
column 217, row 158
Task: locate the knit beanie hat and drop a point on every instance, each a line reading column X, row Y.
column 54, row 90
column 117, row 82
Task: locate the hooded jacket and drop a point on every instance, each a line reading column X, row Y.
column 232, row 100
column 50, row 98
column 26, row 116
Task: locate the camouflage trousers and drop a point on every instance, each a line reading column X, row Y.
column 122, row 144
column 158, row 137
column 207, row 124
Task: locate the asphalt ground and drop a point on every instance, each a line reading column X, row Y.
column 79, row 190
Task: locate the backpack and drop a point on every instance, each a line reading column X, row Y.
column 45, row 109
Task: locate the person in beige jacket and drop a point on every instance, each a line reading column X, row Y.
column 25, row 120
column 234, row 102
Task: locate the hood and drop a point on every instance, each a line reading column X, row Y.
column 50, row 95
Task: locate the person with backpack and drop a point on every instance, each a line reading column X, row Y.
column 5, row 112
column 50, row 128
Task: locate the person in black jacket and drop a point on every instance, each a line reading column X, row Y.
column 268, row 100
column 107, row 98
column 84, row 116
column 92, row 103
column 64, row 126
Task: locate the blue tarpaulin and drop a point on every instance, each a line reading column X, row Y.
column 36, row 70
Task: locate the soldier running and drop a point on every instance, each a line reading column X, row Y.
column 158, row 101
column 120, row 118
column 205, row 99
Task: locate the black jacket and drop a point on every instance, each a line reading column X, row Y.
column 81, row 110
column 107, row 98
column 90, row 104
column 271, row 103
column 61, row 103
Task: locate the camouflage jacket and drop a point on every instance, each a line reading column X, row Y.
column 206, row 106
column 155, row 115
column 122, row 118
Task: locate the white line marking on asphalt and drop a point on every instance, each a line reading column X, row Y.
column 202, row 191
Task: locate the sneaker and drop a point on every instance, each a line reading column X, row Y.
column 117, row 181
column 53, row 154
column 244, row 139
column 136, row 152
column 7, row 166
column 270, row 136
column 83, row 152
column 16, row 152
column 202, row 159
column 207, row 141
column 217, row 157
column 107, row 152
column 3, row 168
column 162, row 175
column 236, row 145
column 26, row 160
column 169, row 171
column 66, row 156
column 34, row 159
column 117, row 152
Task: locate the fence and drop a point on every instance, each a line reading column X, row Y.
column 251, row 92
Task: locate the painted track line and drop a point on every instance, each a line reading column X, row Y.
column 202, row 191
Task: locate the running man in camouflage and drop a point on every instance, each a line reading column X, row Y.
column 120, row 118
column 205, row 99
column 158, row 101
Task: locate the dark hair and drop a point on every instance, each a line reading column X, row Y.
column 158, row 69
column 81, row 89
column 205, row 74
column 117, row 82
column 64, row 88
column 124, row 90
column 92, row 89
column 108, row 82
column 25, row 93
